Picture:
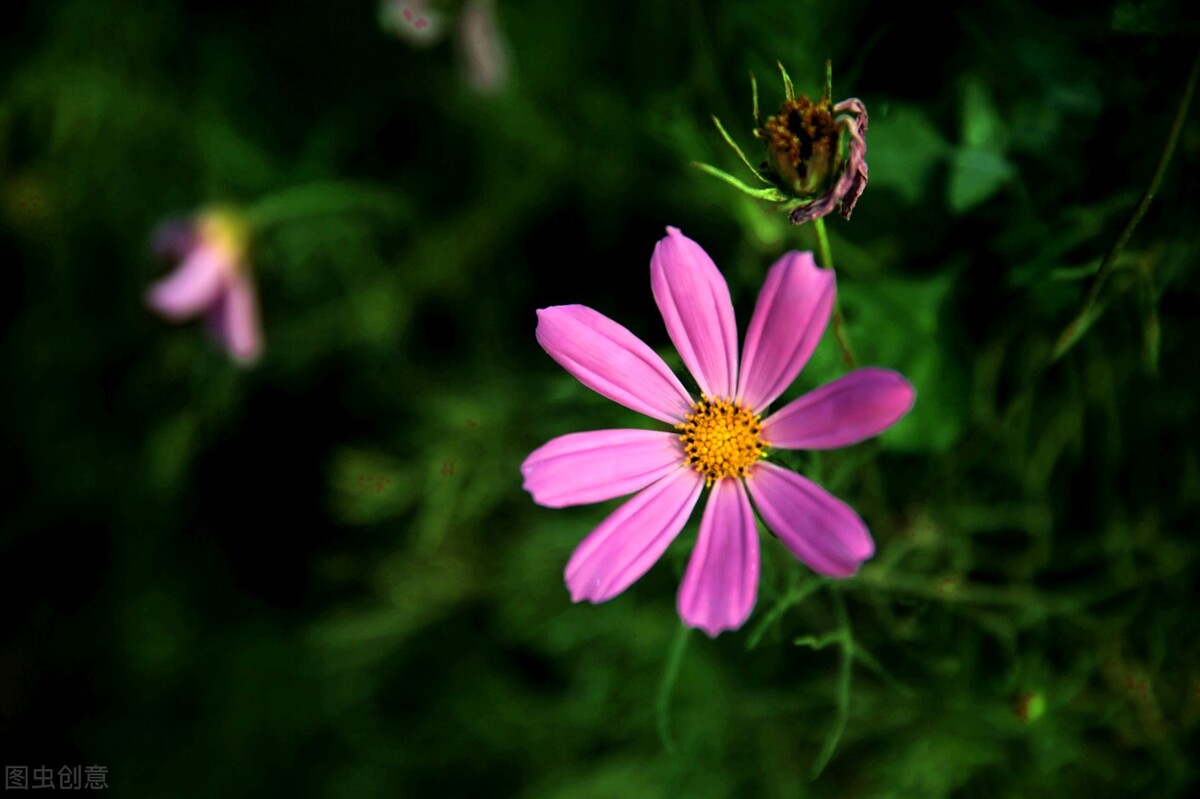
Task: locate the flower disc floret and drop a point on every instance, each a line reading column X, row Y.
column 722, row 438
column 804, row 143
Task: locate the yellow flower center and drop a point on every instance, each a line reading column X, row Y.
column 721, row 438
column 225, row 232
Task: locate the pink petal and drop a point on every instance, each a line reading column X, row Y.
column 821, row 530
column 611, row 361
column 850, row 184
column 192, row 288
column 579, row 468
column 694, row 301
column 823, row 205
column 851, row 409
column 628, row 542
column 791, row 314
column 854, row 106
column 721, row 582
column 234, row 321
column 483, row 54
column 856, row 169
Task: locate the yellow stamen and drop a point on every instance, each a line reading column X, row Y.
column 721, row 438
column 224, row 231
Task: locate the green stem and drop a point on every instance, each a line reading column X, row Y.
column 839, row 330
column 845, row 638
column 1086, row 315
column 323, row 198
column 823, row 244
column 670, row 674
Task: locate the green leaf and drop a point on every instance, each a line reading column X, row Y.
column 903, row 148
column 982, row 126
column 975, row 175
column 978, row 169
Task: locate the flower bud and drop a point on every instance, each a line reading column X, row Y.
column 816, row 154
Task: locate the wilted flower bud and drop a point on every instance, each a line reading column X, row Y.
column 816, row 154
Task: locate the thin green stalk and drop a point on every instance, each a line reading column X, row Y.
column 324, row 198
column 670, row 673
column 1087, row 314
column 845, row 639
column 839, row 330
column 794, row 596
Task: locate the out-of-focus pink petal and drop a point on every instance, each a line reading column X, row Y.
column 721, row 582
column 611, row 361
column 579, row 468
column 790, row 317
column 174, row 239
column 234, row 321
column 821, row 530
column 628, row 542
column 192, row 288
column 694, row 300
column 483, row 53
column 851, row 409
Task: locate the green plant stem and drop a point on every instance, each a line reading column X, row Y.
column 845, row 639
column 1085, row 317
column 667, row 684
column 839, row 330
column 324, row 198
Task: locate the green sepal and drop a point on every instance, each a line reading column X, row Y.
column 771, row 195
column 729, row 140
column 789, row 92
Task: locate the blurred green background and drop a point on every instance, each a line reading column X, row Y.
column 321, row 577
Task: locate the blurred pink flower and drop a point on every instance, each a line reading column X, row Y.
column 212, row 279
column 483, row 53
column 719, row 441
column 482, row 50
column 412, row 21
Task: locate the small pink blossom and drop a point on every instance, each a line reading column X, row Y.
column 412, row 21
column 719, row 441
column 482, row 50
column 212, row 280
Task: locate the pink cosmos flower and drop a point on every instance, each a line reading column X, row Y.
column 719, row 441
column 212, row 279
